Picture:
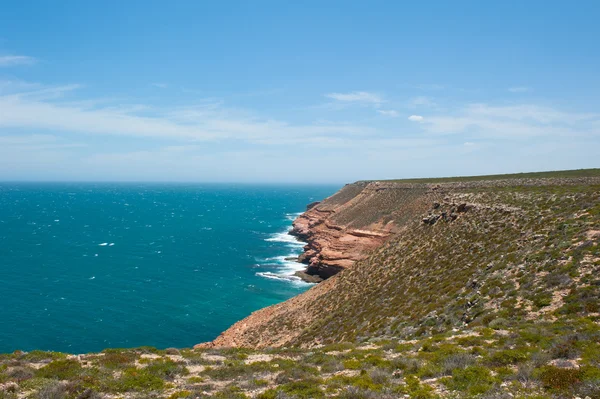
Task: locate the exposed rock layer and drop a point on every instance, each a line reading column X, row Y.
column 343, row 228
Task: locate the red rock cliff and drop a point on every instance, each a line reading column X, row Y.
column 348, row 225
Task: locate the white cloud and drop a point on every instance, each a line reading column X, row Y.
column 519, row 89
column 46, row 109
column 415, row 118
column 356, row 97
column 516, row 121
column 14, row 60
column 391, row 113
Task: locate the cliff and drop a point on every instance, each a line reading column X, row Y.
column 431, row 256
column 357, row 219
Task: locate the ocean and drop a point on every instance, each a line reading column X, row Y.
column 88, row 266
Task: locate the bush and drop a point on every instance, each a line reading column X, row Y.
column 20, row 373
column 558, row 378
column 60, row 369
column 508, row 356
column 134, row 379
column 53, row 391
column 416, row 390
column 565, row 348
column 357, row 393
column 457, row 361
column 115, row 359
column 473, row 379
column 306, row 389
column 380, row 377
column 38, row 356
column 498, row 323
column 166, row 369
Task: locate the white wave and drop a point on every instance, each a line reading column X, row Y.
column 103, row 244
column 111, row 244
column 290, row 279
column 92, row 278
column 292, row 216
column 285, row 269
column 286, row 238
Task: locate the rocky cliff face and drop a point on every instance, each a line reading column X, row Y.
column 345, row 227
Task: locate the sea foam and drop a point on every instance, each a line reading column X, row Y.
column 285, row 268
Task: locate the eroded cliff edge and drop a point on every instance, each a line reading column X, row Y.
column 345, row 227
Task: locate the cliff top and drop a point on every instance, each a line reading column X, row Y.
column 576, row 173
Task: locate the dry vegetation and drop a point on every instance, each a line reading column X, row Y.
column 491, row 293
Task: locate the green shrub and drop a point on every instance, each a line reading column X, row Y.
column 363, row 381
column 231, row 392
column 473, row 379
column 237, row 369
column 38, row 356
column 306, row 389
column 116, row 359
column 134, row 379
column 498, row 323
column 60, row 369
column 179, row 395
column 508, row 356
column 268, row 394
column 166, row 369
column 352, row 364
column 416, row 390
column 558, row 378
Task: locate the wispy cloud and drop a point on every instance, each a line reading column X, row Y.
column 515, row 121
column 415, row 118
column 519, row 89
column 388, row 112
column 46, row 109
column 356, row 97
column 14, row 60
column 160, row 85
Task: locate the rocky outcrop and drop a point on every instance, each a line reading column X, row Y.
column 344, row 228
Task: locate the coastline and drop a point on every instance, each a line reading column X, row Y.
column 287, row 267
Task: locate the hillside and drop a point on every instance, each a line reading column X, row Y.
column 458, row 253
column 464, row 287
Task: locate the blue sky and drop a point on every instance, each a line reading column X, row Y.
column 273, row 91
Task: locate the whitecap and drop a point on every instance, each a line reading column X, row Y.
column 287, row 278
column 111, row 244
column 285, row 237
column 292, row 216
column 92, row 278
column 103, row 244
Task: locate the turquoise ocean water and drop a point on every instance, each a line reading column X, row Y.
column 88, row 266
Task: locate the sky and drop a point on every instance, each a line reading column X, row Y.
column 296, row 92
